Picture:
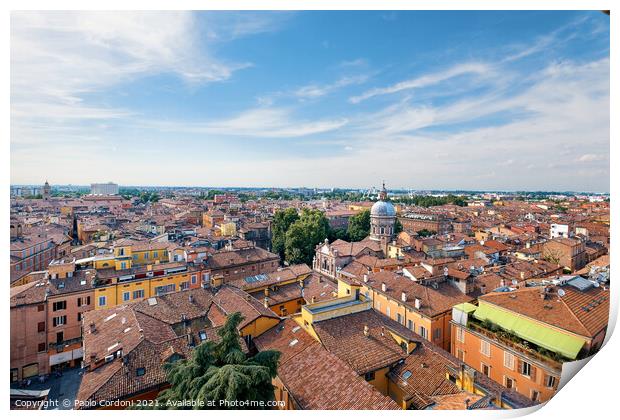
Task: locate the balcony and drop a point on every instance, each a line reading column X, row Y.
column 63, row 345
column 508, row 339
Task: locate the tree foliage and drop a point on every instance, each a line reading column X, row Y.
column 304, row 234
column 220, row 371
column 359, row 226
column 282, row 220
column 430, row 201
column 425, row 233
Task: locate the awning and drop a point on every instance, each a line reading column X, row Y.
column 561, row 343
column 466, row 307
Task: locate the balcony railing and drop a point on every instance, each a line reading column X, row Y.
column 508, row 339
column 61, row 347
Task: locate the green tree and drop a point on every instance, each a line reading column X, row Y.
column 425, row 233
column 304, row 234
column 282, row 220
column 339, row 233
column 398, row 227
column 359, row 226
column 220, row 371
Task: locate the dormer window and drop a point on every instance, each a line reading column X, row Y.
column 140, row 371
column 202, row 335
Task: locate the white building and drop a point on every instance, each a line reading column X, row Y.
column 558, row 230
column 109, row 188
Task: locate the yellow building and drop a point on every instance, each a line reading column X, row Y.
column 153, row 280
column 228, row 229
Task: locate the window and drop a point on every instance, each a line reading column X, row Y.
column 509, row 382
column 88, row 300
column 550, row 381
column 59, row 320
column 160, row 290
column 123, row 265
column 126, row 296
column 460, row 354
column 138, row 294
column 79, row 316
column 378, row 306
column 370, row 376
column 155, row 254
column 41, row 327
column 202, row 335
column 387, row 310
column 41, row 347
column 79, row 302
column 410, row 325
column 525, row 368
column 485, row 348
column 194, row 279
column 509, row 360
column 399, row 318
column 535, row 395
column 460, row 335
column 485, row 369
column 102, row 300
column 423, row 332
column 184, row 285
column 437, row 334
column 140, row 371
column 59, row 306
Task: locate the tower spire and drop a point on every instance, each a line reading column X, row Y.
column 383, row 193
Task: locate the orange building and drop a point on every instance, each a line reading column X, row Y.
column 423, row 307
column 520, row 338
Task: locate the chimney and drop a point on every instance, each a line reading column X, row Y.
column 383, row 287
column 365, row 278
column 191, row 298
column 403, row 297
column 92, row 327
column 522, row 275
column 418, row 304
column 312, row 299
column 266, row 291
column 366, row 330
column 266, row 302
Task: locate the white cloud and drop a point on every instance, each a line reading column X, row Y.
column 259, row 122
column 425, row 80
column 59, row 58
column 317, row 90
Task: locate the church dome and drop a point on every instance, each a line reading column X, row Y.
column 383, row 208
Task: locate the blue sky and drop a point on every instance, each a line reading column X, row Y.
column 442, row 100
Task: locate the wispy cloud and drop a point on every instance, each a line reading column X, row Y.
column 425, row 80
column 317, row 90
column 259, row 122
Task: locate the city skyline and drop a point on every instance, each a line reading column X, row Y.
column 287, row 99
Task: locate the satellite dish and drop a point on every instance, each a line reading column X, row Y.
column 561, row 292
column 595, row 284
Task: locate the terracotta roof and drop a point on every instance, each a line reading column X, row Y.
column 230, row 299
column 222, row 259
column 172, row 307
column 315, row 378
column 344, row 337
column 432, row 301
column 565, row 312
